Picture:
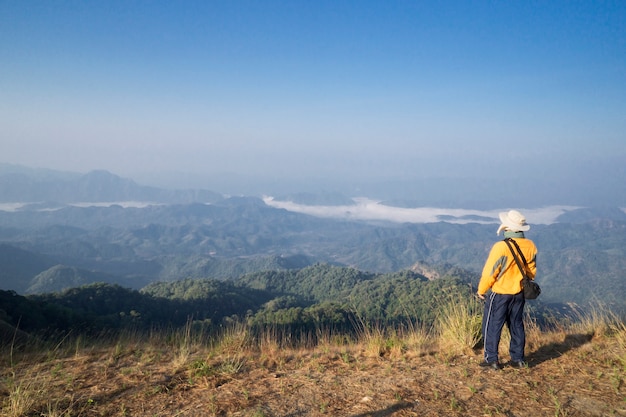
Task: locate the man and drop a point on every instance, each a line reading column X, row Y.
column 505, row 303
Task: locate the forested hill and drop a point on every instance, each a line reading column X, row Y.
column 319, row 296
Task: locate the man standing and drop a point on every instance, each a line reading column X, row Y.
column 505, row 303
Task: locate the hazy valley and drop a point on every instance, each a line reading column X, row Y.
column 52, row 240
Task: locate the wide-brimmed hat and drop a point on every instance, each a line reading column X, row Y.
column 513, row 221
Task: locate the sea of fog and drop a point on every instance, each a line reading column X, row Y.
column 372, row 210
column 364, row 209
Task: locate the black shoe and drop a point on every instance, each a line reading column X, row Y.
column 493, row 365
column 519, row 364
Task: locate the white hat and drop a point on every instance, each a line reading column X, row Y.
column 513, row 221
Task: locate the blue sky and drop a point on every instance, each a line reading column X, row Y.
column 299, row 89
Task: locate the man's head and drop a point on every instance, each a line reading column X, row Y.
column 512, row 221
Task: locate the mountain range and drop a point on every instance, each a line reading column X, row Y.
column 48, row 188
column 50, row 241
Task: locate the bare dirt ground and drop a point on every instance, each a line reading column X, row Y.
column 568, row 375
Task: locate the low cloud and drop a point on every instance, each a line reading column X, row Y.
column 371, row 210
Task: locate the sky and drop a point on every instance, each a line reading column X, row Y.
column 299, row 90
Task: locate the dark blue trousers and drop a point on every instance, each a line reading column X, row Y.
column 501, row 309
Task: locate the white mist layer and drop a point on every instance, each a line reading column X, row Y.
column 371, row 210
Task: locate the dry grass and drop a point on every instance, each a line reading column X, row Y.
column 577, row 369
column 459, row 325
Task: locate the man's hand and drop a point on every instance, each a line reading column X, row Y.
column 481, row 296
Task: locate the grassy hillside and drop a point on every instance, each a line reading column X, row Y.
column 577, row 369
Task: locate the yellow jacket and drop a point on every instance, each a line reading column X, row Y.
column 501, row 273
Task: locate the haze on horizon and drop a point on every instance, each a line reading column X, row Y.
column 187, row 92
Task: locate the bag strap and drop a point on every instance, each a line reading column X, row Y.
column 508, row 241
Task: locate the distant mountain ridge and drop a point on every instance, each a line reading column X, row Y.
column 582, row 256
column 24, row 185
